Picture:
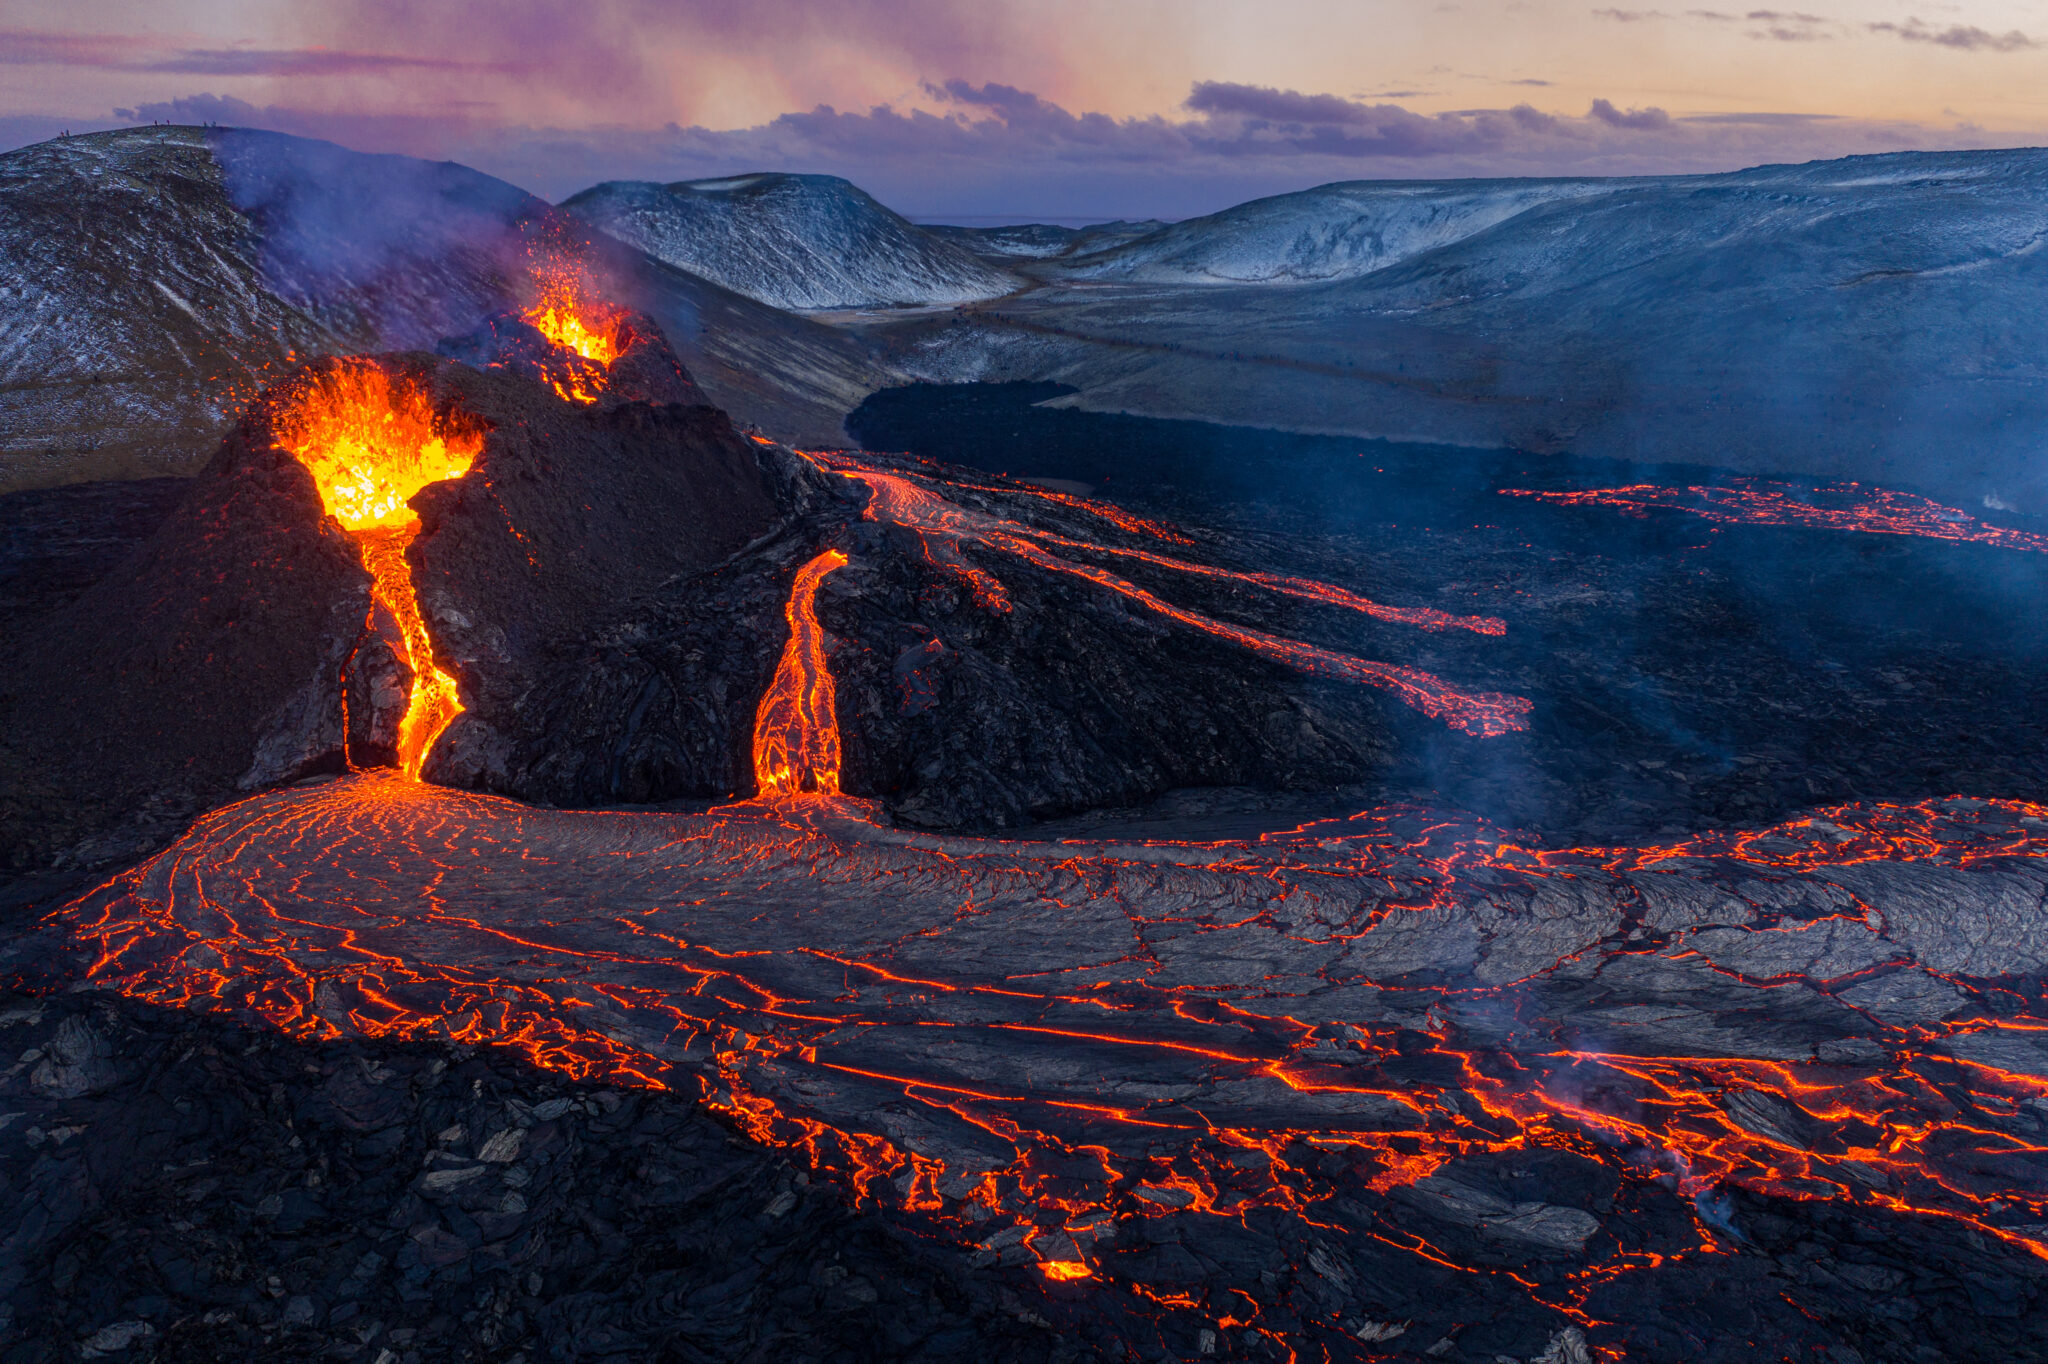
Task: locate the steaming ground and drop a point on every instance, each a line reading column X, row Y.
column 1685, row 675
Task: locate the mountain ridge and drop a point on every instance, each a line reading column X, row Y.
column 797, row 242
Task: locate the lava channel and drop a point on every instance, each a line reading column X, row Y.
column 945, row 526
column 371, row 442
column 796, row 728
column 1835, row 506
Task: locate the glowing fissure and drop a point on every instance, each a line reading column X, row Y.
column 900, row 500
column 371, row 443
column 796, row 727
column 1839, row 506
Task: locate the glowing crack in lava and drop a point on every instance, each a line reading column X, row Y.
column 583, row 329
column 370, row 443
column 1838, row 506
column 796, row 728
column 1031, row 1046
column 945, row 526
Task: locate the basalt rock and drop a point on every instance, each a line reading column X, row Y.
column 208, row 663
column 955, row 715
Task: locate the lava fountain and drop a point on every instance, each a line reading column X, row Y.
column 371, row 442
column 796, row 728
column 578, row 325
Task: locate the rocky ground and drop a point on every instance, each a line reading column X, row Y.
column 176, row 1187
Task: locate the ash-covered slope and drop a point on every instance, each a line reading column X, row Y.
column 149, row 278
column 1874, row 318
column 132, row 307
column 790, row 241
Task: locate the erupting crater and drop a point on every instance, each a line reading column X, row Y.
column 371, row 442
column 585, row 331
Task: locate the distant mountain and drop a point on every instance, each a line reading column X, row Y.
column 1042, row 241
column 1876, row 318
column 150, row 277
column 790, row 241
column 1331, row 232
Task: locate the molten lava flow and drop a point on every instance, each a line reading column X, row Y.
column 796, row 728
column 371, row 443
column 583, row 329
column 944, row 526
column 1013, row 1043
column 1839, row 506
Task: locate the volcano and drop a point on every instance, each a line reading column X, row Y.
column 1537, row 922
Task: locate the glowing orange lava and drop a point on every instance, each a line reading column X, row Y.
column 944, row 526
column 1838, row 506
column 370, row 444
column 577, row 324
column 1061, row 1271
column 796, row 728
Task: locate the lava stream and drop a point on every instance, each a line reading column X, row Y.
column 371, row 443
column 899, row 500
column 1838, row 506
column 796, row 728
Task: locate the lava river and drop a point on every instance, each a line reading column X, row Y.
column 1834, row 506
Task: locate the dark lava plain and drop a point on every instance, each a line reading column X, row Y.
column 1686, row 675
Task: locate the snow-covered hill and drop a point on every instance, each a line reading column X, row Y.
column 790, row 241
column 1882, row 318
column 1042, row 241
column 151, row 278
column 1330, row 232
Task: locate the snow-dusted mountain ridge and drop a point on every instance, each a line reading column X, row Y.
column 791, row 241
column 1878, row 318
column 1352, row 229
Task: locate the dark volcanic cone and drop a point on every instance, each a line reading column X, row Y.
column 239, row 647
column 646, row 369
column 603, row 577
column 209, row 662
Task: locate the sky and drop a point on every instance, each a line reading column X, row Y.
column 1069, row 109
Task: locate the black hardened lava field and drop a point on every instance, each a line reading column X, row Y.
column 534, row 846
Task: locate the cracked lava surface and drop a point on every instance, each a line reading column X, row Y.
column 1030, row 1044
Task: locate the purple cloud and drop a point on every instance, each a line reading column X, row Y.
column 1962, row 37
column 1640, row 120
column 1001, row 149
column 109, row 52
